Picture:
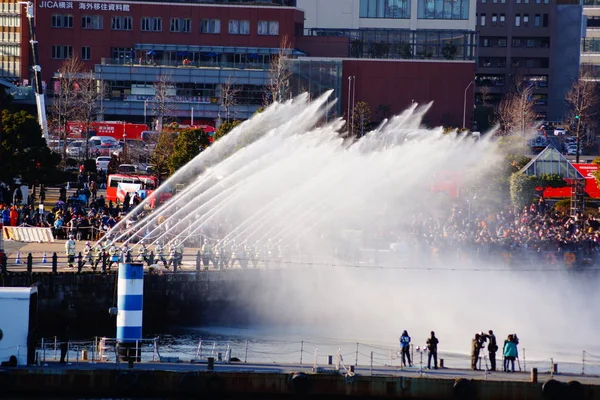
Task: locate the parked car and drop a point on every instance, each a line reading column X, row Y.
column 76, row 149
column 102, row 163
column 127, row 169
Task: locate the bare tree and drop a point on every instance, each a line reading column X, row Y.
column 582, row 100
column 162, row 103
column 516, row 112
column 65, row 103
column 278, row 88
column 229, row 95
column 88, row 102
column 361, row 119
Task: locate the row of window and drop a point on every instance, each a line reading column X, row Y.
column 517, row 1
column 538, row 81
column 499, row 41
column 63, row 52
column 155, row 24
column 427, row 9
column 539, row 20
column 10, row 20
column 516, row 62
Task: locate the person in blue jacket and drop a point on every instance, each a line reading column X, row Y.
column 510, row 353
column 405, row 345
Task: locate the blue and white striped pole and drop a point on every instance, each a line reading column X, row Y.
column 130, row 305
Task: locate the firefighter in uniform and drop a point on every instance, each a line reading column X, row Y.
column 114, row 255
column 172, row 255
column 70, row 250
column 179, row 249
column 125, row 253
column 97, row 253
column 206, row 254
column 87, row 254
column 142, row 253
column 160, row 254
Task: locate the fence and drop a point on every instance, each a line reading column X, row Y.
column 321, row 355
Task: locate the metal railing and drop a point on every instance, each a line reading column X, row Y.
column 324, row 355
column 149, row 62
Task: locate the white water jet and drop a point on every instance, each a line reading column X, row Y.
column 292, row 193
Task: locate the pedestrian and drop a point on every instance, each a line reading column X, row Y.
column 510, row 353
column 492, row 349
column 476, row 346
column 405, row 345
column 432, row 344
column 70, row 250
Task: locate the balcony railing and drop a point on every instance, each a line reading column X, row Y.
column 189, row 64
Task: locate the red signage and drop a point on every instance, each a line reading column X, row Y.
column 591, row 187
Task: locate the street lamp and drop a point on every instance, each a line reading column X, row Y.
column 145, row 109
column 124, row 148
column 465, row 104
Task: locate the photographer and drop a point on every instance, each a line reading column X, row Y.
column 477, row 344
column 492, row 349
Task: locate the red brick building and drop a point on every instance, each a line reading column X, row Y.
column 224, row 41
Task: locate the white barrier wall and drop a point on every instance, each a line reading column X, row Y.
column 28, row 234
column 14, row 322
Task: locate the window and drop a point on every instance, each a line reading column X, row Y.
column 495, row 1
column 525, row 19
column 530, row 43
column 237, row 27
column 502, row 19
column 518, row 1
column 91, row 22
column 537, row 20
column 490, row 80
column 484, row 42
column 268, row 28
column 481, row 19
column 62, row 52
column 396, row 9
column 210, row 26
column 545, row 21
column 183, row 25
column 62, row 21
column 516, row 42
column 501, row 42
column 151, row 24
column 86, row 53
column 538, row 80
column 518, row 20
column 483, row 1
column 443, row 9
column 494, row 19
column 121, row 23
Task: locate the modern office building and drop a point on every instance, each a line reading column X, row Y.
column 590, row 43
column 201, row 47
column 533, row 41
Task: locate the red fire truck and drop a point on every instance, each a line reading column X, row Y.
column 116, row 129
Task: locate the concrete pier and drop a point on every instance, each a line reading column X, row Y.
column 244, row 381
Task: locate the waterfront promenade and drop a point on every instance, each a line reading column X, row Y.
column 248, row 380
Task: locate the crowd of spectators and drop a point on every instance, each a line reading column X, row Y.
column 538, row 232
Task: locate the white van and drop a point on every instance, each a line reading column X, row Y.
column 101, row 141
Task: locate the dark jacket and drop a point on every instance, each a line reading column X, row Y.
column 432, row 343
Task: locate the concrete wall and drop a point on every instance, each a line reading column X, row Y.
column 190, row 299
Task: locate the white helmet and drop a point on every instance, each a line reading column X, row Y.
column 71, row 236
column 87, row 243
